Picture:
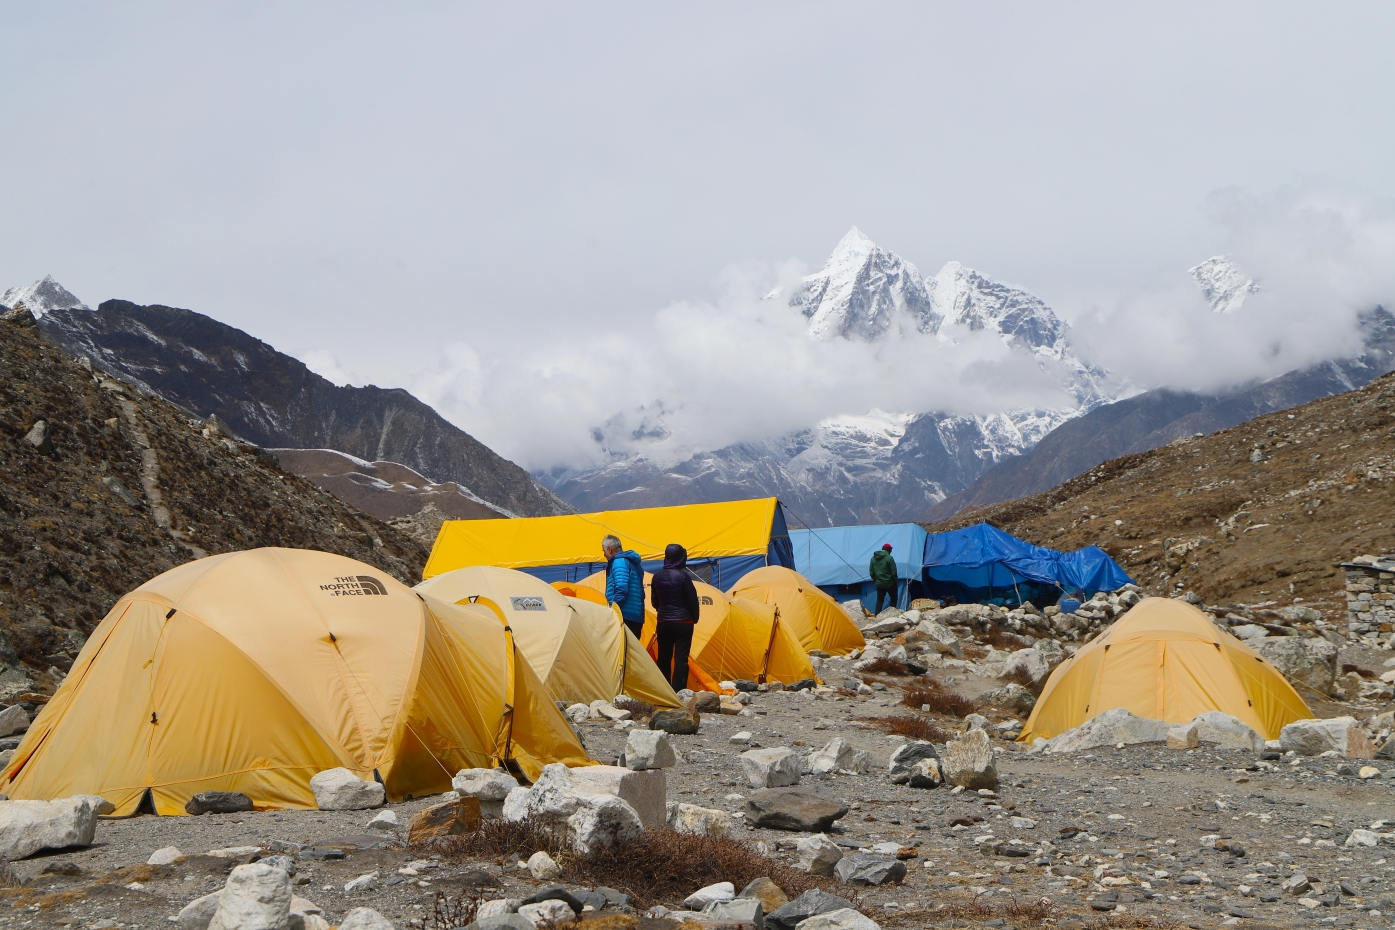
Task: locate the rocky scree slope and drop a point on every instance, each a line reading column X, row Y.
column 1258, row 514
column 271, row 399
column 106, row 486
column 1157, row 417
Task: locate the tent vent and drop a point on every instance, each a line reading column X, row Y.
column 378, row 778
column 1251, row 703
column 332, row 638
column 147, row 803
column 171, row 613
column 1106, row 646
column 154, row 718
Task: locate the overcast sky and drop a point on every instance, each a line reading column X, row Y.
column 388, row 189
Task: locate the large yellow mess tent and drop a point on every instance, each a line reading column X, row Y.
column 723, row 540
column 1165, row 660
column 252, row 671
column 580, row 649
column 733, row 639
column 814, row 617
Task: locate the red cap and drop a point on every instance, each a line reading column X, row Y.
column 886, row 546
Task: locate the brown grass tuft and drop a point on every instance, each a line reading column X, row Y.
column 886, row 666
column 939, row 702
column 499, row 839
column 906, row 725
column 1348, row 668
column 29, row 897
column 640, row 710
column 974, row 651
column 1023, row 678
column 454, row 912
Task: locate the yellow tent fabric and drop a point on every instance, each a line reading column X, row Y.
column 813, row 616
column 252, row 671
column 1165, row 660
column 734, row 638
column 580, row 591
column 581, row 650
column 706, row 530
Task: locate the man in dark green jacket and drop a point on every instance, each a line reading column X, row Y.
column 883, row 572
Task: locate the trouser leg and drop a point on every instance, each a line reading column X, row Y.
column 682, row 645
column 666, row 650
column 636, row 627
column 882, row 594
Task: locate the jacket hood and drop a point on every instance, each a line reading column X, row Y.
column 675, row 556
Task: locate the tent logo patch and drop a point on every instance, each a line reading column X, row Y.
column 528, row 603
column 354, row 586
column 705, row 600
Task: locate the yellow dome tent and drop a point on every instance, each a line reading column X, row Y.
column 735, row 638
column 1165, row 660
column 813, row 616
column 252, row 671
column 580, row 650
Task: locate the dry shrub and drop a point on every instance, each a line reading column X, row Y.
column 640, row 710
column 974, row 651
column 1022, row 677
column 1348, row 668
column 454, row 912
column 886, row 666
column 906, row 725
column 1017, row 913
column 29, row 897
column 497, row 839
column 939, row 702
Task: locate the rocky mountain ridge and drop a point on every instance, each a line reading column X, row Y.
column 273, row 400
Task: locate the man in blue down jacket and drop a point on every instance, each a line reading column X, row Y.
column 624, row 583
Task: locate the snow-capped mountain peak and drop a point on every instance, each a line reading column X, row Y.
column 1224, row 285
column 860, row 292
column 43, row 297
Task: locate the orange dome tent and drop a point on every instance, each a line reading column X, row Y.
column 815, row 618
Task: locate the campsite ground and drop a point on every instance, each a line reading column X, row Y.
column 1143, row 813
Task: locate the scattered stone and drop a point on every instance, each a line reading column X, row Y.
column 555, row 893
column 166, row 855
column 550, row 913
column 489, row 786
column 968, row 761
column 807, row 810
column 649, row 749
column 771, row 768
column 256, row 897
column 745, row 911
column 29, row 826
column 721, row 891
column 869, row 870
column 842, row 919
column 704, row 821
column 676, row 721
column 940, row 637
column 976, row 722
column 284, row 863
column 927, row 773
column 905, row 757
column 817, row 854
column 604, row 821
column 218, row 802
column 741, row 739
column 384, row 821
column 1342, row 735
column 38, row 437
column 510, row 921
column 362, row 883
column 1031, row 662
column 646, row 791
column 1183, row 737
column 1362, row 838
column 837, row 756
column 1012, row 697
column 342, row 790
column 706, row 702
column 13, row 719
column 1296, row 884
column 197, row 913
column 452, row 818
column 1227, row 732
column 365, row 918
column 543, row 867
column 810, row 904
column 578, row 713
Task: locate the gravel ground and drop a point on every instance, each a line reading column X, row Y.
column 1142, row 814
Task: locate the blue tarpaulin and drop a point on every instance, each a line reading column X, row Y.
column 981, row 563
column 835, row 558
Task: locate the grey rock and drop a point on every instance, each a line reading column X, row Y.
column 13, row 719
column 968, row 761
column 677, row 722
column 342, row 790
column 1227, row 732
column 365, row 918
column 905, row 757
column 29, row 826
column 817, row 854
column 843, row 919
column 1314, row 737
column 744, row 910
column 649, row 749
column 489, row 786
column 1109, row 729
column 502, row 922
column 1309, row 662
column 1031, row 662
column 218, row 802
column 38, row 437
column 807, row 810
column 869, row 870
column 256, row 897
column 197, row 913
column 771, row 768
column 547, row 914
column 1011, row 696
column 809, row 904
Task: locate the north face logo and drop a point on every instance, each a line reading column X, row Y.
column 354, row 586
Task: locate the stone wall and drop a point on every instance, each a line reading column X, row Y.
column 1370, row 583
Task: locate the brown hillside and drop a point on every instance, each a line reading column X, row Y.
column 1259, row 512
column 124, row 486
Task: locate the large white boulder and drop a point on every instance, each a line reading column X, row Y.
column 845, row 918
column 591, row 802
column 1308, row 662
column 342, row 790
column 197, row 913
column 817, row 854
column 705, row 821
column 944, row 641
column 29, row 826
column 646, row 791
column 365, row 918
column 600, row 823
column 649, row 749
column 13, row 719
column 1109, row 729
column 1314, row 737
column 256, row 897
column 1030, row 662
column 1227, row 732
column 771, row 768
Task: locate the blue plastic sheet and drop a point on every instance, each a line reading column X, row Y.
column 981, row 563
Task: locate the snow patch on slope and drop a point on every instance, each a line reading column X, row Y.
column 43, row 297
column 1224, row 285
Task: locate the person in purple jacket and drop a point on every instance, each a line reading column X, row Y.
column 675, row 599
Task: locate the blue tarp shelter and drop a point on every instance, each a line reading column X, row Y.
column 982, row 564
column 835, row 558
